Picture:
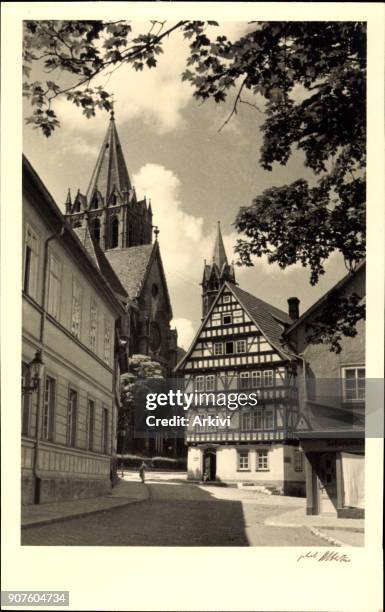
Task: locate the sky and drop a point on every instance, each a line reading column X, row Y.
column 194, row 174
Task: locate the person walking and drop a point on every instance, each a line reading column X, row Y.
column 142, row 471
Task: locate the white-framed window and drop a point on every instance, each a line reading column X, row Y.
column 93, row 325
column 227, row 319
column 48, row 409
column 90, row 424
column 226, row 298
column 107, row 341
column 256, row 379
column 54, row 286
column 76, row 308
column 245, row 421
column 268, row 378
column 199, row 383
column 243, row 460
column 353, row 379
column 244, row 380
column 241, row 346
column 71, row 417
column 298, row 460
column 262, row 460
column 31, row 258
column 269, row 418
column 210, row 382
column 218, row 348
column 263, row 418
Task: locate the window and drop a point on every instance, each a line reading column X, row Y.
column 244, row 380
column 229, row 348
column 107, row 342
column 95, row 230
column 269, row 419
column 114, row 232
column 31, row 254
column 218, row 348
column 226, row 299
column 353, row 383
column 262, row 461
column 243, row 460
column 104, row 430
column 298, row 460
column 210, row 382
column 76, row 308
column 48, row 408
column 199, row 383
column 263, row 418
column 256, row 378
column 268, row 378
column 54, row 287
column 90, row 424
column 93, row 325
column 25, row 372
column 245, row 421
column 258, row 419
column 227, row 319
column 241, row 346
column 71, row 417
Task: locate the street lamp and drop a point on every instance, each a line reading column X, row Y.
column 36, row 368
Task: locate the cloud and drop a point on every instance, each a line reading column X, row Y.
column 75, row 145
column 156, row 96
column 186, row 332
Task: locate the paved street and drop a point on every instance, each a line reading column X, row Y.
column 177, row 513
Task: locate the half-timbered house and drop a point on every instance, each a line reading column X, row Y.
column 239, row 349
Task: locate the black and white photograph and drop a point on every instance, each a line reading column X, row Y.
column 197, row 367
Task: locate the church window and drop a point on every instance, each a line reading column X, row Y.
column 77, row 206
column 268, row 378
column 95, row 229
column 244, row 380
column 76, row 308
column 218, row 348
column 227, row 319
column 54, row 287
column 262, row 461
column 93, row 325
column 31, row 253
column 107, row 342
column 241, row 346
column 114, row 200
column 95, row 203
column 243, row 460
column 229, row 348
column 210, row 382
column 114, row 233
column 199, row 383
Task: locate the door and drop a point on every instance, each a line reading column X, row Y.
column 209, row 465
column 328, row 483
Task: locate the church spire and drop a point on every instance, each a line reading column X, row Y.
column 219, row 253
column 110, row 171
column 215, row 273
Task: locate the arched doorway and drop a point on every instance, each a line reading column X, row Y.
column 209, row 464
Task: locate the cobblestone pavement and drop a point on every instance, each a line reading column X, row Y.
column 178, row 514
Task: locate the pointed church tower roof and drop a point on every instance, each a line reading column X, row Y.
column 110, row 171
column 219, row 253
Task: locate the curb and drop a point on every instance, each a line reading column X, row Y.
column 84, row 513
column 328, row 539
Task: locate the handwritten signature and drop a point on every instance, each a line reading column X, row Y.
column 329, row 555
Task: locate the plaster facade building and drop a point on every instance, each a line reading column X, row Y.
column 71, row 302
column 331, row 394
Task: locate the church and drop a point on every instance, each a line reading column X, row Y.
column 111, row 218
column 240, row 348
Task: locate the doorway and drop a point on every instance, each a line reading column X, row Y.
column 328, row 483
column 209, row 465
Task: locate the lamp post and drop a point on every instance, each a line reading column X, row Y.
column 36, row 368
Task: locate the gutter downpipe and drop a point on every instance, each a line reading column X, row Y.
column 39, row 392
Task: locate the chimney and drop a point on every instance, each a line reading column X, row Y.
column 293, row 308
